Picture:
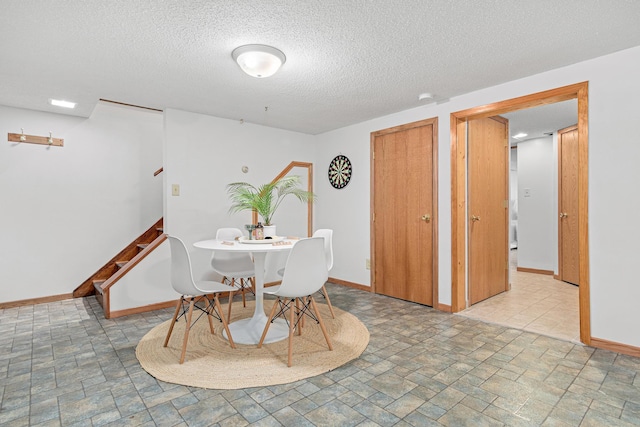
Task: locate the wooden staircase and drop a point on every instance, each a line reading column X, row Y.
column 101, row 281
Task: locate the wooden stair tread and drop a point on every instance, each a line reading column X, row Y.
column 97, row 285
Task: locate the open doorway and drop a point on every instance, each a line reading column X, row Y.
column 537, row 301
column 459, row 189
column 535, row 178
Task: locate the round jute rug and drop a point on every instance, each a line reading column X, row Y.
column 211, row 363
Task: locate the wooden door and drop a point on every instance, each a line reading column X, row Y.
column 568, row 253
column 488, row 146
column 404, row 208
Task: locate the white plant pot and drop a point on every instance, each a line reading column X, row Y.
column 269, row 230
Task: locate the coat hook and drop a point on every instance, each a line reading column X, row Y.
column 23, row 137
column 50, row 140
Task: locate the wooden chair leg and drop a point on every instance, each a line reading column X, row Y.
column 301, row 319
column 324, row 330
column 243, row 290
column 266, row 326
column 224, row 279
column 173, row 321
column 186, row 330
column 291, row 325
column 326, row 296
column 230, row 304
column 209, row 308
column 224, row 321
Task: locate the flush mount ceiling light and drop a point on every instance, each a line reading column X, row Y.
column 520, row 135
column 61, row 103
column 258, row 60
column 424, row 96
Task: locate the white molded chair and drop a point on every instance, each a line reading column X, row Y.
column 328, row 253
column 192, row 293
column 237, row 269
column 327, row 234
column 305, row 273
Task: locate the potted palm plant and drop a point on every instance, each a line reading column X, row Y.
column 266, row 198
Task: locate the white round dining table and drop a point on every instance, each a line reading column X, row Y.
column 249, row 331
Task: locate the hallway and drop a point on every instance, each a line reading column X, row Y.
column 536, row 303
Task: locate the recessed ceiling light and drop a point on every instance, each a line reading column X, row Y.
column 61, row 103
column 520, row 135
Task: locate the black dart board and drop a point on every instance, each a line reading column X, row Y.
column 340, row 171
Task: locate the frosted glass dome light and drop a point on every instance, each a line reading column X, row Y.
column 258, row 60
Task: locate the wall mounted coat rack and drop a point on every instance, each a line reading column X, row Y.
column 33, row 139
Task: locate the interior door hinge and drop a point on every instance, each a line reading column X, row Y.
column 506, row 203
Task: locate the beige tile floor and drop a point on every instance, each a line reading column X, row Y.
column 536, row 303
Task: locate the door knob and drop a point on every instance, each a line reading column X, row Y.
column 563, row 214
column 426, row 217
column 475, row 218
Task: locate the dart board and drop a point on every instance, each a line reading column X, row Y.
column 340, row 171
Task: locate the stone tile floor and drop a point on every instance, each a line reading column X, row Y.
column 63, row 364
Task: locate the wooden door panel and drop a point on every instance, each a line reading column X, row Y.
column 569, row 262
column 488, row 211
column 403, row 193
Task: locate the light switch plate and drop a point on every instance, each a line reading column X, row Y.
column 175, row 189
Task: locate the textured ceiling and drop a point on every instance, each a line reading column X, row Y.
column 347, row 60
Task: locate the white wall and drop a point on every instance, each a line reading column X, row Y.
column 203, row 154
column 613, row 154
column 513, row 198
column 52, row 200
column 537, row 207
column 67, row 210
column 148, row 283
